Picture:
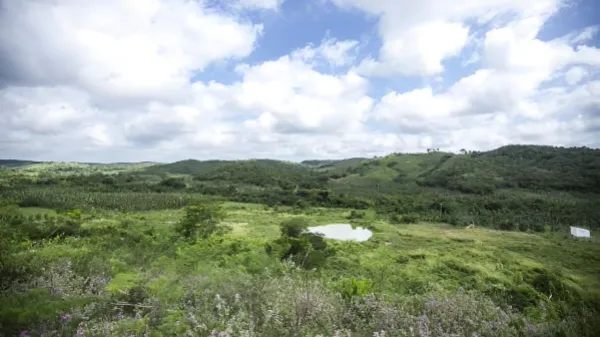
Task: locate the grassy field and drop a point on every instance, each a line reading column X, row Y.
column 128, row 276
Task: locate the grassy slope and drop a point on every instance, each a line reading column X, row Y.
column 402, row 259
column 391, row 174
column 69, row 168
column 12, row 163
column 525, row 167
column 532, row 167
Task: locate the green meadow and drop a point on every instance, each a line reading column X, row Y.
column 123, row 273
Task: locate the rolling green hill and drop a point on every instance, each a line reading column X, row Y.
column 519, row 166
column 523, row 167
column 13, row 163
column 259, row 172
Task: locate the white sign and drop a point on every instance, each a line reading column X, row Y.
column 580, row 232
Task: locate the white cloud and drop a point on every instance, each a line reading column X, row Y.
column 291, row 97
column 517, row 85
column 111, row 81
column 418, row 50
column 260, row 4
column 575, row 75
column 584, row 35
column 418, row 36
column 117, row 49
column 333, row 52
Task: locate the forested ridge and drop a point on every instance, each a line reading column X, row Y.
column 517, row 186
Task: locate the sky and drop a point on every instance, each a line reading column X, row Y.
column 167, row 80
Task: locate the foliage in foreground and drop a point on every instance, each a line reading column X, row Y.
column 293, row 303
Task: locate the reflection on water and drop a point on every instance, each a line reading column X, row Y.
column 342, row 232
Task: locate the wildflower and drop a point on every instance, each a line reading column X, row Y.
column 237, row 297
column 80, row 332
column 433, row 304
column 138, row 315
column 24, row 333
column 65, row 317
column 217, row 297
column 423, row 325
column 119, row 315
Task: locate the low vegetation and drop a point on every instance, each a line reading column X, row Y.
column 473, row 244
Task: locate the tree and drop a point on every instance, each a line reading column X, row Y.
column 307, row 250
column 292, row 228
column 201, row 220
column 174, row 183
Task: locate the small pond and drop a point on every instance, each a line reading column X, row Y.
column 342, row 232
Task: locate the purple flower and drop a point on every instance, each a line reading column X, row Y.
column 24, row 333
column 65, row 317
column 531, row 329
column 423, row 325
column 80, row 332
column 120, row 315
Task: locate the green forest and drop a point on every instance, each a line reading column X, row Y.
column 463, row 244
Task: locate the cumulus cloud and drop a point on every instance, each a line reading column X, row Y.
column 515, row 90
column 121, row 80
column 292, row 97
column 331, row 51
column 117, row 49
column 260, row 4
column 418, row 36
column 113, row 81
column 575, row 75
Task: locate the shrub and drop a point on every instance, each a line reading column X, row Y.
column 292, row 228
column 506, row 225
column 356, row 215
column 410, row 218
column 201, row 220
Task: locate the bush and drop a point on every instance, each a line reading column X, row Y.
column 356, row 215
column 355, row 287
column 201, row 220
column 292, row 228
column 173, row 183
column 410, row 218
column 506, row 225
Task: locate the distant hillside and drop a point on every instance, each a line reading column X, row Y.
column 341, row 164
column 70, row 168
column 515, row 166
column 259, row 172
column 524, row 167
column 392, row 174
column 13, row 163
column 519, row 166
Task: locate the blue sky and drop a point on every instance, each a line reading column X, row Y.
column 294, row 79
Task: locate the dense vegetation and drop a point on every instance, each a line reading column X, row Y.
column 464, row 244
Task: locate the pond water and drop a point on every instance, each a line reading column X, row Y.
column 342, row 232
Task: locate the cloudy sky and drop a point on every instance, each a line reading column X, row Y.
column 164, row 80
